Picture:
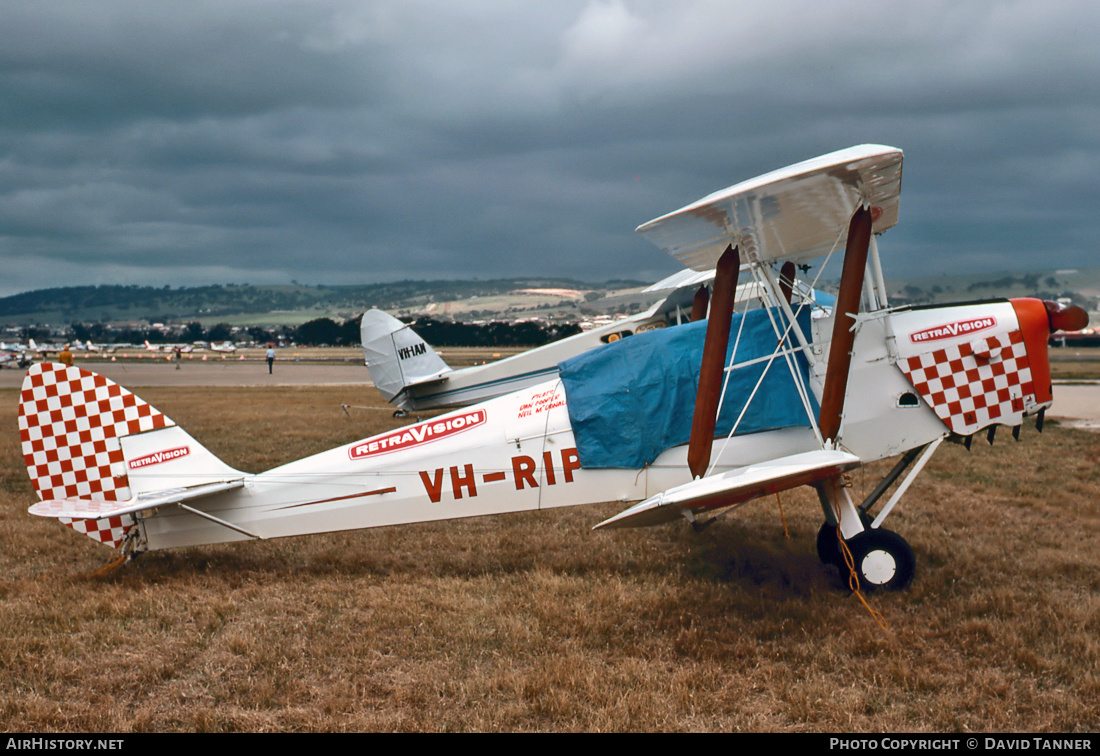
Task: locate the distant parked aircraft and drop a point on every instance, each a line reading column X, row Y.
column 409, row 373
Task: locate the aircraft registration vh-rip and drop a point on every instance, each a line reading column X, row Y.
column 685, row 420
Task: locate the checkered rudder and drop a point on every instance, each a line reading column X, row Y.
column 70, row 423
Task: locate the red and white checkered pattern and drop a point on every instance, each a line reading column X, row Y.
column 70, row 423
column 977, row 384
column 110, row 531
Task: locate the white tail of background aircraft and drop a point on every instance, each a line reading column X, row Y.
column 397, row 357
column 412, row 376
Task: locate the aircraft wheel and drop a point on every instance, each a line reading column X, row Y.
column 828, row 550
column 400, row 413
column 883, row 559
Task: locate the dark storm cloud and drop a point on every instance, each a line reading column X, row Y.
column 355, row 141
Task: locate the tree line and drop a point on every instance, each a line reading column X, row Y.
column 324, row 331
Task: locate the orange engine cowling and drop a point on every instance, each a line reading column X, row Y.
column 1038, row 320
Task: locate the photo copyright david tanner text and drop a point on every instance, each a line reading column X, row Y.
column 983, row 743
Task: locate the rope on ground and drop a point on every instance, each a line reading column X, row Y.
column 853, row 580
column 112, row 565
column 783, row 517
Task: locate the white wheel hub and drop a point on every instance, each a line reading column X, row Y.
column 879, row 567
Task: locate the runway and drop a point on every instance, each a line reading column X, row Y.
column 134, row 375
column 1077, row 404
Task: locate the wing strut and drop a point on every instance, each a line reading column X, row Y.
column 699, row 304
column 847, row 305
column 786, row 281
column 714, row 362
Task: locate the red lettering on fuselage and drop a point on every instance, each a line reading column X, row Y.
column 415, row 435
column 465, row 481
column 548, row 466
column 433, row 486
column 523, row 471
column 570, row 461
column 524, row 474
column 950, row 330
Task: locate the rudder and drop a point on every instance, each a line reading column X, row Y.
column 397, row 356
column 72, row 424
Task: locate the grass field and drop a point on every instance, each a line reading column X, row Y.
column 532, row 622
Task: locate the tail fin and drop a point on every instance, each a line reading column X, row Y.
column 396, row 355
column 86, row 438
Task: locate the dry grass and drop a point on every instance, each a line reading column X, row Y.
column 533, row 622
column 1075, row 363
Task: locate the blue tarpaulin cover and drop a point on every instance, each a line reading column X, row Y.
column 634, row 398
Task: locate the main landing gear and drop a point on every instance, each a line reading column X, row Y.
column 882, row 559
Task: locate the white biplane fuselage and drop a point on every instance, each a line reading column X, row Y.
column 115, row 468
column 518, row 452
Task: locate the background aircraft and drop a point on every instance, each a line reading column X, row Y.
column 169, row 348
column 14, row 357
column 412, row 376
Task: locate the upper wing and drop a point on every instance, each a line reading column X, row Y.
column 734, row 487
column 796, row 213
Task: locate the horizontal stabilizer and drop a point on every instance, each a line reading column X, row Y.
column 91, row 509
column 439, row 377
column 796, row 213
column 734, row 487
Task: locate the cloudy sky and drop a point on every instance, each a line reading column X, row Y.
column 348, row 141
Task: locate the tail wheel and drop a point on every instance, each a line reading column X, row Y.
column 882, row 559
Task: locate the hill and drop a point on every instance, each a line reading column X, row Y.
column 1082, row 286
column 291, row 304
column 559, row 300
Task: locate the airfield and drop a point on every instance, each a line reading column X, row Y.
column 532, row 622
column 1076, row 372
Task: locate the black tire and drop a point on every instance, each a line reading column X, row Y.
column 883, row 560
column 828, row 549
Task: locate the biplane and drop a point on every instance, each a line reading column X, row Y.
column 687, row 421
